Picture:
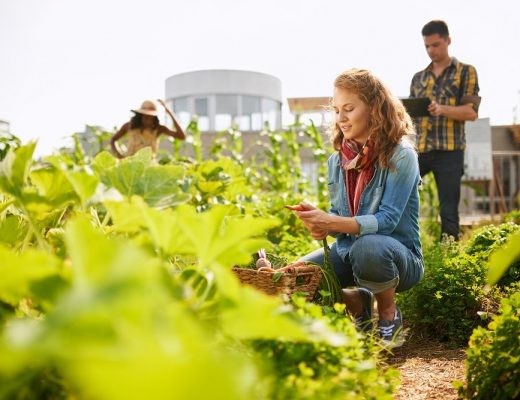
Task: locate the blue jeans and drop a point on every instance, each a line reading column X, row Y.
column 376, row 262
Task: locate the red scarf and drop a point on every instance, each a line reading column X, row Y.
column 358, row 164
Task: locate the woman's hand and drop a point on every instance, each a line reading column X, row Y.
column 319, row 234
column 315, row 220
column 301, row 207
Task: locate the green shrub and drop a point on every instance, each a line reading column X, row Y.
column 513, row 216
column 155, row 303
column 312, row 370
column 493, row 363
column 446, row 303
column 452, row 299
column 488, row 239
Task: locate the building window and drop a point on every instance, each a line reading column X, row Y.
column 201, row 110
column 226, row 111
column 251, row 118
column 270, row 112
column 181, row 110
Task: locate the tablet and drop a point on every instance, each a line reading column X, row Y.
column 416, row 106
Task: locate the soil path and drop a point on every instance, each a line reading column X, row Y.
column 428, row 369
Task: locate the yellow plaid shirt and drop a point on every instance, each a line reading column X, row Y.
column 457, row 85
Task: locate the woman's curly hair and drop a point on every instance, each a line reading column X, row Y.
column 388, row 121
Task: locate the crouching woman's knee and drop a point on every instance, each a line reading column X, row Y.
column 373, row 263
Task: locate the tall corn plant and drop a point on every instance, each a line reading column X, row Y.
column 320, row 155
column 283, row 163
column 429, row 210
column 228, row 142
column 193, row 134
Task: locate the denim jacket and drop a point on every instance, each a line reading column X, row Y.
column 389, row 205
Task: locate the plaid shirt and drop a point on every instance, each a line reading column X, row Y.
column 457, row 85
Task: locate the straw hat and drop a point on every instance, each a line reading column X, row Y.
column 147, row 108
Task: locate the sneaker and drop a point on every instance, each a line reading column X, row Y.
column 364, row 321
column 391, row 331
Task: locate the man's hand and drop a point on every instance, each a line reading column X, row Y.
column 435, row 109
column 464, row 112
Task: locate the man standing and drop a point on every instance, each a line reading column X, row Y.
column 453, row 89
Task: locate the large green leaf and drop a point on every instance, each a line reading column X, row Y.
column 125, row 176
column 84, row 184
column 223, row 177
column 220, row 239
column 53, row 186
column 19, row 271
column 83, row 181
column 14, row 169
column 12, row 229
column 126, row 216
column 163, row 226
column 109, row 257
column 166, row 231
column 501, row 259
column 117, row 334
column 5, row 203
column 158, row 185
column 103, row 161
column 260, row 316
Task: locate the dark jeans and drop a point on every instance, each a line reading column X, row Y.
column 447, row 168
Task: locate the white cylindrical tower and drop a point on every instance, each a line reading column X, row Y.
column 222, row 98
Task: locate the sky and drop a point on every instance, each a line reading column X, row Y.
column 68, row 63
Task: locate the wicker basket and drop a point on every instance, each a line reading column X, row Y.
column 300, row 279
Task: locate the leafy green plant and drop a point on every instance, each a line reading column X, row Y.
column 453, row 299
column 513, row 216
column 122, row 312
column 447, row 302
column 488, row 238
column 429, row 206
column 502, row 242
column 117, row 284
column 307, row 370
column 330, row 288
column 159, row 185
column 8, row 141
column 493, row 367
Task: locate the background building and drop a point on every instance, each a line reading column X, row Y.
column 222, row 98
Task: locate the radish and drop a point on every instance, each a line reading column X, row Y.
column 262, row 260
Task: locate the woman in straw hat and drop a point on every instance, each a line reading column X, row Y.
column 144, row 129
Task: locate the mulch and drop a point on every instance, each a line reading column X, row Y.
column 427, row 369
